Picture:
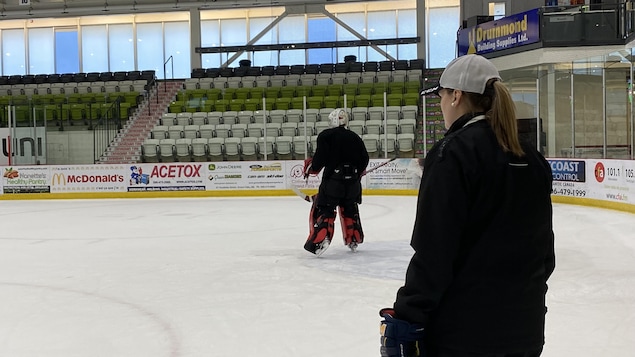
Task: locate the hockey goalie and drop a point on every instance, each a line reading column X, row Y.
column 342, row 155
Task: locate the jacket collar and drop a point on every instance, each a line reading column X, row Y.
column 465, row 120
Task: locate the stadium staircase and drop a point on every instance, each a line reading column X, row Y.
column 126, row 147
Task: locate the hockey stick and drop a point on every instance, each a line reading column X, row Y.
column 300, row 194
column 308, row 198
column 378, row 166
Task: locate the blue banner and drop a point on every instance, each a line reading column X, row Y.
column 508, row 32
column 568, row 170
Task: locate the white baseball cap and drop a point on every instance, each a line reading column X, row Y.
column 469, row 73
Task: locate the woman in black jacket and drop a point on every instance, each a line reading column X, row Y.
column 483, row 237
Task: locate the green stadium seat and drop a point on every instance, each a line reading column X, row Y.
column 303, row 91
column 350, row 101
column 283, row 103
column 394, row 99
column 411, row 99
column 350, row 89
column 319, row 90
column 396, row 87
column 362, row 100
column 176, row 107
column 213, row 93
column 377, row 100
column 297, row 103
column 412, row 87
column 237, row 104
column 365, row 88
column 253, row 104
column 221, row 105
column 334, row 90
column 315, row 102
column 78, row 112
column 332, row 101
column 381, row 87
column 288, row 91
column 272, row 92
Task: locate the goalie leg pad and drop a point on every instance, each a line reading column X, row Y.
column 351, row 226
column 321, row 225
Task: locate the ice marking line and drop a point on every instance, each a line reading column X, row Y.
column 175, row 345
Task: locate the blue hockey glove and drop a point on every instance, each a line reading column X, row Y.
column 399, row 338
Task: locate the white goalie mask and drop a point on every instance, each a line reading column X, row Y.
column 338, row 117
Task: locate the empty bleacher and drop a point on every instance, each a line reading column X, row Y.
column 72, row 99
column 272, row 106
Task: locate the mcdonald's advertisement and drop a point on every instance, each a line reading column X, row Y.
column 88, row 178
column 508, row 32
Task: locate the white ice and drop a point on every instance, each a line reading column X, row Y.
column 229, row 277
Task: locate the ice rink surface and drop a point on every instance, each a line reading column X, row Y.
column 229, row 277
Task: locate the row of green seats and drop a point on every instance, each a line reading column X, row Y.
column 351, row 89
column 74, row 98
column 285, row 103
column 60, row 113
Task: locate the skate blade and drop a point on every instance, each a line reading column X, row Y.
column 322, row 247
column 353, row 247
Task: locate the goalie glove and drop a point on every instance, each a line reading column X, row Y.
column 308, row 170
column 399, row 338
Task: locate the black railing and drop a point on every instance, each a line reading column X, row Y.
column 106, row 127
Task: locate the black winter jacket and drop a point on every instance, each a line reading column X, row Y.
column 484, row 245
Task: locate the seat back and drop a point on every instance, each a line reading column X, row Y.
column 206, row 131
column 289, row 129
column 301, row 147
column 159, row 132
column 232, row 149
column 407, row 126
column 249, row 148
column 216, row 148
column 405, row 143
column 284, row 147
column 199, row 118
column 183, row 149
column 175, row 131
column 239, row 130
column 199, row 149
column 184, row 118
column 215, row 117
column 167, row 150
column 374, row 126
column 150, row 150
column 191, row 131
column 222, row 130
column 321, row 126
column 255, row 130
column 371, row 141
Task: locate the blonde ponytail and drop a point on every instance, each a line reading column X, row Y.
column 502, row 119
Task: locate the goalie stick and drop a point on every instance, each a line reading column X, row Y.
column 309, row 198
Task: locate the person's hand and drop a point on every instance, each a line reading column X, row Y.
column 399, row 338
column 308, row 169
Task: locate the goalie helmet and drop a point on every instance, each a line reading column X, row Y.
column 338, row 117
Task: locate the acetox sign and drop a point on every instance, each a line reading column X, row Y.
column 166, row 177
column 177, row 171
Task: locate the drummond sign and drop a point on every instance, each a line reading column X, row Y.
column 508, row 32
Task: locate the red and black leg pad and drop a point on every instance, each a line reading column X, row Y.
column 321, row 227
column 351, row 227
